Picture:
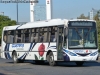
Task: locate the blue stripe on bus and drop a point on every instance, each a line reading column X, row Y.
column 18, row 27
column 7, row 54
column 5, row 51
column 27, row 52
column 30, row 49
column 49, row 44
column 54, row 47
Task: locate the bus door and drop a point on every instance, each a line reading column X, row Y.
column 60, row 42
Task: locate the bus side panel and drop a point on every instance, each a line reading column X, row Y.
column 38, row 53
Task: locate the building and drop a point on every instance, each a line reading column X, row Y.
column 39, row 12
column 1, row 13
column 92, row 13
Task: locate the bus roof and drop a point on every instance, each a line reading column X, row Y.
column 82, row 20
column 10, row 27
column 52, row 22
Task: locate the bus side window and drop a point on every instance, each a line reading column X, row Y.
column 5, row 36
column 53, row 34
column 26, row 35
column 45, row 35
column 19, row 36
column 34, row 35
column 10, row 37
column 41, row 35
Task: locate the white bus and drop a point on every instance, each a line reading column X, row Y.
column 51, row 40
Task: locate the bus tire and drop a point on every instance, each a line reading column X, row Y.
column 14, row 56
column 79, row 63
column 51, row 59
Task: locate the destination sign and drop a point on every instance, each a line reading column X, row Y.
column 81, row 24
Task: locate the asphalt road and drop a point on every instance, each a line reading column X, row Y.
column 30, row 68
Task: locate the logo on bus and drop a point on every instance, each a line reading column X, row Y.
column 87, row 51
column 82, row 51
column 78, row 51
column 17, row 45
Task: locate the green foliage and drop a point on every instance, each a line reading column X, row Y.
column 82, row 16
column 96, row 17
column 98, row 26
column 5, row 21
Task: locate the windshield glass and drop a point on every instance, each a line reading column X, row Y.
column 82, row 37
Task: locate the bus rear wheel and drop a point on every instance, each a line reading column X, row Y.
column 79, row 63
column 15, row 59
column 14, row 56
column 51, row 59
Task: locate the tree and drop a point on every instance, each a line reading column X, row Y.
column 96, row 17
column 82, row 16
column 98, row 29
column 5, row 21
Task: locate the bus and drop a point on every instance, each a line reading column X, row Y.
column 51, row 40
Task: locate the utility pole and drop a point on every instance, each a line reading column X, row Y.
column 32, row 4
column 17, row 10
column 49, row 9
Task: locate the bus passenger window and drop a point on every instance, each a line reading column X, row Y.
column 26, row 34
column 53, row 34
column 41, row 37
column 34, row 38
column 19, row 36
column 10, row 37
column 34, row 35
column 5, row 36
column 43, row 34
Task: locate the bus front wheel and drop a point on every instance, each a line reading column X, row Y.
column 51, row 59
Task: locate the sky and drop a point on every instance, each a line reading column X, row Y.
column 64, row 9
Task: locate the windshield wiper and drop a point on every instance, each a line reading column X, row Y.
column 87, row 33
column 78, row 33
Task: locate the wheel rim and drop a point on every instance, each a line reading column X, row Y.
column 51, row 59
column 14, row 58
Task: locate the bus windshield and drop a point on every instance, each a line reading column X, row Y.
column 82, row 36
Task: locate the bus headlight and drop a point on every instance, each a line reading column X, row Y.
column 72, row 54
column 93, row 54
